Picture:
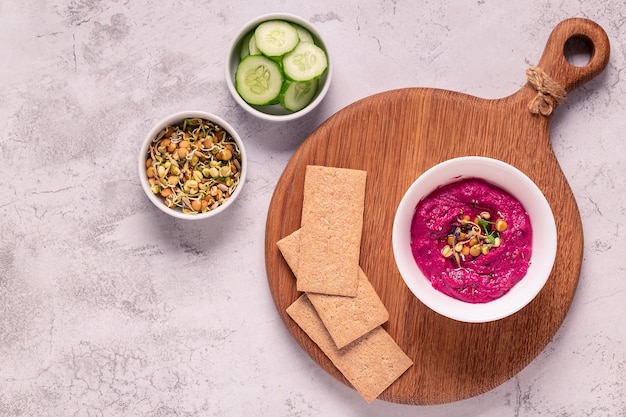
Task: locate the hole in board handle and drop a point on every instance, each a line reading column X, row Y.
column 578, row 50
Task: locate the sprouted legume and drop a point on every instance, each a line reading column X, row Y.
column 195, row 165
column 473, row 238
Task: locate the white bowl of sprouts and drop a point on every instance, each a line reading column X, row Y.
column 192, row 165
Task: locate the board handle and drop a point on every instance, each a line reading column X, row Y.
column 554, row 61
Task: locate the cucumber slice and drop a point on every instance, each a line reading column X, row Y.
column 297, row 95
column 303, row 34
column 258, row 80
column 276, row 37
column 252, row 48
column 306, row 62
column 245, row 45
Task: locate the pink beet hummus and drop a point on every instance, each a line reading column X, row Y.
column 482, row 278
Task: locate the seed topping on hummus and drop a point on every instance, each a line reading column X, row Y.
column 472, row 238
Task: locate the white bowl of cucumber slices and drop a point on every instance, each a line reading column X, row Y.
column 278, row 67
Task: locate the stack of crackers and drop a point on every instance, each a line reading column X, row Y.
column 339, row 308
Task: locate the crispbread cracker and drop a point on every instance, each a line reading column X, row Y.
column 289, row 247
column 345, row 318
column 332, row 224
column 370, row 364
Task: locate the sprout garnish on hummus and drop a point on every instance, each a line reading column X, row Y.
column 473, row 237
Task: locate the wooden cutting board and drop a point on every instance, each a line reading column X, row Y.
column 397, row 135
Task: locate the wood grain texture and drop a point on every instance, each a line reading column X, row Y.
column 397, row 135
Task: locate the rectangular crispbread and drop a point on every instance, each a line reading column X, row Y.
column 371, row 363
column 331, row 229
column 345, row 318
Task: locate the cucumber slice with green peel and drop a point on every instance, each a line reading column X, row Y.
column 297, row 95
column 306, row 62
column 276, row 37
column 245, row 46
column 258, row 80
column 252, row 48
column 303, row 34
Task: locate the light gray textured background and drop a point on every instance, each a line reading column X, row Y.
column 110, row 308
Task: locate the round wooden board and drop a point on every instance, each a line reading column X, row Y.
column 397, row 135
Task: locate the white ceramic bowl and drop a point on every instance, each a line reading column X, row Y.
column 544, row 238
column 276, row 112
column 175, row 119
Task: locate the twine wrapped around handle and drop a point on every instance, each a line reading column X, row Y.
column 549, row 92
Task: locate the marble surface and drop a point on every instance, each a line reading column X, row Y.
column 110, row 308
